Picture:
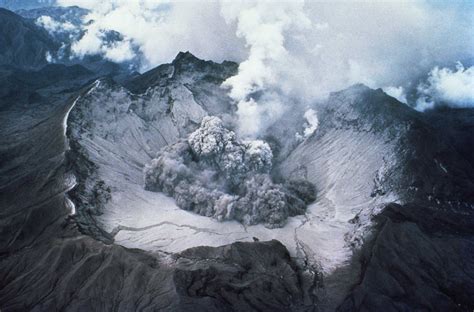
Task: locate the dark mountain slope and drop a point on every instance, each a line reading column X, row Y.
column 22, row 43
column 19, row 87
column 458, row 125
column 71, row 14
column 369, row 151
column 419, row 258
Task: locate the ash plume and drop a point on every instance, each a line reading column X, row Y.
column 214, row 174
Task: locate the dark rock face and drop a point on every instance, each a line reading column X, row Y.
column 457, row 125
column 229, row 278
column 21, row 87
column 420, row 258
column 22, row 43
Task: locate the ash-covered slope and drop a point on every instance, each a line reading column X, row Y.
column 46, row 264
column 114, row 132
column 370, row 150
column 420, row 255
column 351, row 250
column 368, row 146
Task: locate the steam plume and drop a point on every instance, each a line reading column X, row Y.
column 291, row 52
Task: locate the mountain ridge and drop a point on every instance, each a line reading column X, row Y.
column 367, row 152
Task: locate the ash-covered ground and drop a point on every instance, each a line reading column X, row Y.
column 356, row 157
column 350, row 249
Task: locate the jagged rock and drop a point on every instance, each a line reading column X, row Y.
column 231, row 276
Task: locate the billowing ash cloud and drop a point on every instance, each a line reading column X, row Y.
column 290, row 52
column 215, row 175
column 445, row 86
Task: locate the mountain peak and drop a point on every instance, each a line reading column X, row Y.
column 355, row 89
column 185, row 57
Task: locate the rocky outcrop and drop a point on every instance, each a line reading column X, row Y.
column 229, row 278
column 419, row 258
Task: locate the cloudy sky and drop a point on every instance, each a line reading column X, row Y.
column 417, row 51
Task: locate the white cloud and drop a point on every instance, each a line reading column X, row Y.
column 49, row 57
column 159, row 29
column 449, row 87
column 53, row 26
column 288, row 50
column 397, row 92
column 312, row 122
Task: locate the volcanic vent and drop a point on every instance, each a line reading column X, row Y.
column 214, row 174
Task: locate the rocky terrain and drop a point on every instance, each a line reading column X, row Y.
column 82, row 229
column 48, row 264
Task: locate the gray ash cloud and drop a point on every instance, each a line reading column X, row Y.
column 214, row 174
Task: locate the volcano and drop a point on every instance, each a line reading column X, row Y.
column 139, row 194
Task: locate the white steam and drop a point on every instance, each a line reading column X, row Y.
column 445, row 86
column 257, row 86
column 53, row 26
column 292, row 51
column 312, row 122
column 310, row 126
column 398, row 93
